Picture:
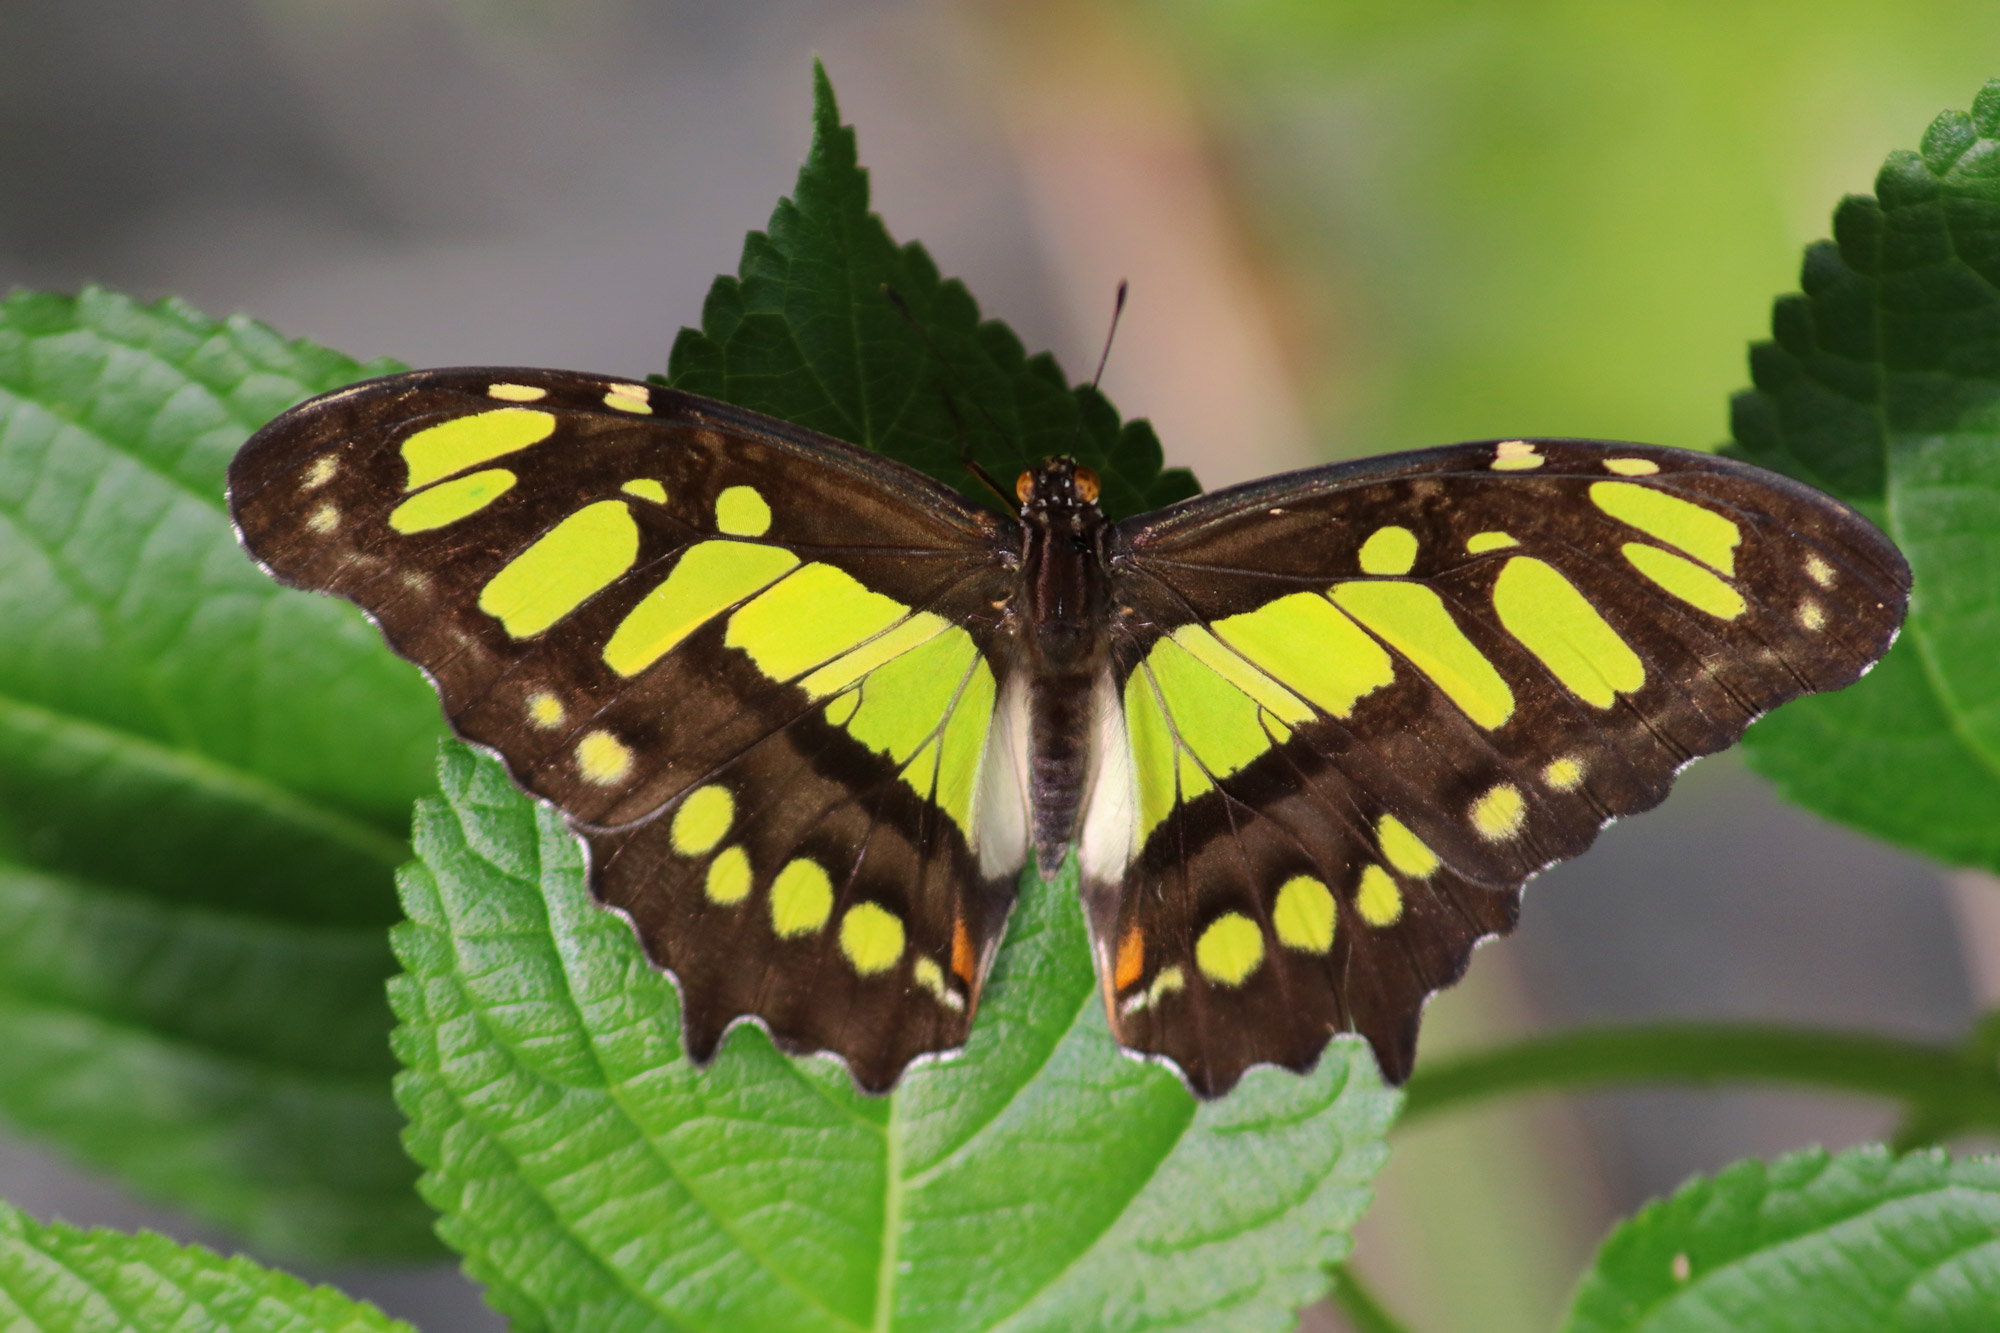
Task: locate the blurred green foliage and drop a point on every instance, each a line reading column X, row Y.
column 1557, row 218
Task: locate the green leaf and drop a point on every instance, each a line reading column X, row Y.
column 807, row 331
column 57, row 1278
column 204, row 781
column 592, row 1177
column 1883, row 386
column 1862, row 1242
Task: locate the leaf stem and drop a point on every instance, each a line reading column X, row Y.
column 1364, row 1313
column 1950, row 1086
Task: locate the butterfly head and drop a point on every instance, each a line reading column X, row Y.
column 1059, row 486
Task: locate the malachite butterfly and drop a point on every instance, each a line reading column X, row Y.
column 812, row 712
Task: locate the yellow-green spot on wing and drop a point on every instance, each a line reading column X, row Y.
column 1389, row 550
column 1499, row 813
column 703, row 820
column 1565, row 774
column 708, row 579
column 435, row 452
column 1631, row 467
column 602, row 758
column 1153, row 752
column 450, row 501
column 1479, row 543
column 516, row 393
column 1686, row 580
column 851, row 666
column 1219, row 725
column 1556, row 623
column 1171, row 980
column 741, row 511
column 1404, row 849
column 1414, row 621
column 801, row 898
column 728, row 881
column 930, row 976
column 842, row 707
column 646, row 489
column 1304, row 915
column 1232, row 667
column 871, row 937
column 1230, row 949
column 1702, row 533
column 904, row 704
column 964, row 743
column 1306, row 644
column 809, row 618
column 1515, row 456
column 545, row 710
column 1378, row 900
column 572, row 562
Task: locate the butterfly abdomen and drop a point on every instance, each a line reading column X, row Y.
column 1063, row 637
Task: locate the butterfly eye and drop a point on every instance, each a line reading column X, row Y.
column 1086, row 485
column 1024, row 487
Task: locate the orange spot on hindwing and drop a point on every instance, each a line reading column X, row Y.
column 1131, row 959
column 961, row 952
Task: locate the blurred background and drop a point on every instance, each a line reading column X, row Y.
column 1348, row 228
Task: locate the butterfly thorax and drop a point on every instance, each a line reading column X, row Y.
column 1061, row 639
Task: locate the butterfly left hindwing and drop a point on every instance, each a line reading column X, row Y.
column 1363, row 704
column 747, row 663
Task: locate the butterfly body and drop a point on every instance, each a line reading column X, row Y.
column 1063, row 645
column 811, row 711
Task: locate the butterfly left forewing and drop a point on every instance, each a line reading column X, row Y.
column 1363, row 704
column 746, row 662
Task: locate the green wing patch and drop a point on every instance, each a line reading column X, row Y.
column 747, row 662
column 1366, row 703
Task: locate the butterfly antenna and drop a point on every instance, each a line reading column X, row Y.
column 1117, row 312
column 965, row 457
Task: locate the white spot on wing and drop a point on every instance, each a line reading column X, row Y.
column 1111, row 810
column 1000, row 802
column 1516, row 456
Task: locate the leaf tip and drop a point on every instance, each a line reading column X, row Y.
column 826, row 107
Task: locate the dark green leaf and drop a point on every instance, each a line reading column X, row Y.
column 1862, row 1242
column 807, row 331
column 59, row 1279
column 1882, row 385
column 203, row 787
column 592, row 1177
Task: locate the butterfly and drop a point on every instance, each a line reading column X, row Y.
column 811, row 712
